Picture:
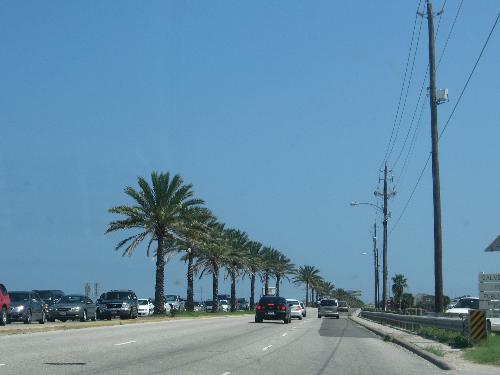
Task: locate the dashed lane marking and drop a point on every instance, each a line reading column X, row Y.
column 267, row 347
column 284, row 334
column 226, row 373
column 125, row 343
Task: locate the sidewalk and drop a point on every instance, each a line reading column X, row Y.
column 452, row 359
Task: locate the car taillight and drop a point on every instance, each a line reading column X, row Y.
column 283, row 307
column 258, row 307
column 298, row 308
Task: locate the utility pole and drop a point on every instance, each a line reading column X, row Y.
column 436, row 185
column 375, row 264
column 386, row 195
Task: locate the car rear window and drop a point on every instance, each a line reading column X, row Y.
column 274, row 300
column 328, row 302
column 343, row 303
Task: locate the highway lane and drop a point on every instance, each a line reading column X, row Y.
column 234, row 345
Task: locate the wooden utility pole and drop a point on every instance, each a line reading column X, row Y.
column 436, row 186
column 375, row 265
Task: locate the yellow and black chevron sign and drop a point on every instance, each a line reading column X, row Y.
column 477, row 320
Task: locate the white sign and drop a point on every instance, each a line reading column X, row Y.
column 489, row 295
column 486, row 305
column 492, row 277
column 494, row 246
column 489, row 287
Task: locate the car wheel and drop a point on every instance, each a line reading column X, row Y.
column 84, row 316
column 63, row 319
column 3, row 317
column 257, row 320
column 44, row 318
column 27, row 320
column 52, row 320
column 300, row 317
column 109, row 318
column 94, row 318
column 319, row 316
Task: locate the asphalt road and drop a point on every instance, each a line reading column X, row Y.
column 233, row 345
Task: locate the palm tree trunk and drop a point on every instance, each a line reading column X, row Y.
column 160, row 278
column 266, row 283
column 233, row 291
column 190, row 282
column 307, row 294
column 252, row 292
column 312, row 295
column 278, row 285
column 215, row 287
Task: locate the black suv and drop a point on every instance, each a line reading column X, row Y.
column 122, row 303
column 273, row 308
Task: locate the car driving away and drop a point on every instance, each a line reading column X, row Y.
column 329, row 308
column 272, row 308
column 295, row 308
column 343, row 306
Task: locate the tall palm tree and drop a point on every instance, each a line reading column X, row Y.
column 253, row 265
column 212, row 257
column 194, row 233
column 282, row 267
column 305, row 276
column 268, row 257
column 158, row 215
column 234, row 264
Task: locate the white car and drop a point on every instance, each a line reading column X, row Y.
column 146, row 307
column 224, row 305
column 295, row 308
column 465, row 304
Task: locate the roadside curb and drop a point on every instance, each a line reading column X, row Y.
column 439, row 362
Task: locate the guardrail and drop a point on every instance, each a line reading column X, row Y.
column 413, row 322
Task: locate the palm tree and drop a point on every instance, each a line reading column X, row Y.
column 237, row 241
column 399, row 283
column 306, row 275
column 213, row 255
column 268, row 257
column 282, row 267
column 194, row 232
column 158, row 214
column 253, row 265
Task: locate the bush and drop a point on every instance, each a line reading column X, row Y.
column 173, row 312
column 452, row 338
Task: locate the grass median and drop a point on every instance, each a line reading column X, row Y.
column 33, row 328
column 487, row 352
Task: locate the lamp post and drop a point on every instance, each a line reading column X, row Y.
column 376, row 257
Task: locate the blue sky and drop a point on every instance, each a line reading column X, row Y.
column 279, row 113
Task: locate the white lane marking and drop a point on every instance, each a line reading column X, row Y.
column 294, row 327
column 267, row 347
column 2, row 364
column 125, row 343
column 226, row 373
column 284, row 334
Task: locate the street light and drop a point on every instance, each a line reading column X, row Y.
column 375, row 255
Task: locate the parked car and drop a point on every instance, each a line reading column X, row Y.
column 224, row 305
column 272, row 308
column 198, row 306
column 328, row 307
column 243, row 304
column 304, row 311
column 4, row 305
column 120, row 303
column 26, row 306
column 209, row 306
column 49, row 296
column 343, row 306
column 175, row 301
column 295, row 308
column 464, row 305
column 73, row 307
column 146, row 306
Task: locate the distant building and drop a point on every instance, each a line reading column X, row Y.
column 425, row 301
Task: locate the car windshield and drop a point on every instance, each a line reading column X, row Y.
column 45, row 294
column 18, row 296
column 293, row 302
column 143, row 302
column 328, row 302
column 342, row 303
column 72, row 299
column 242, row 300
column 117, row 295
column 468, row 303
column 274, row 300
column 171, row 297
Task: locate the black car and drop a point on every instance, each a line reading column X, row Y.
column 26, row 306
column 49, row 296
column 121, row 303
column 272, row 308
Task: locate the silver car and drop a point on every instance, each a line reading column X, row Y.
column 328, row 307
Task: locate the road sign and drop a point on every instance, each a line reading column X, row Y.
column 493, row 313
column 489, row 287
column 491, row 277
column 494, row 246
column 477, row 322
column 486, row 305
column 489, row 295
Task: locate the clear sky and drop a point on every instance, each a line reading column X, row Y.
column 278, row 112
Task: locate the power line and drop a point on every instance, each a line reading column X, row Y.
column 451, row 31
